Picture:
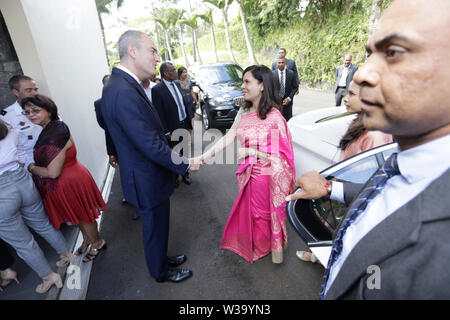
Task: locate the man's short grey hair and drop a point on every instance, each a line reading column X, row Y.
column 130, row 37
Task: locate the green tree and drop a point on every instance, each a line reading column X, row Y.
column 208, row 18
column 181, row 24
column 223, row 5
column 251, row 54
column 192, row 23
column 102, row 7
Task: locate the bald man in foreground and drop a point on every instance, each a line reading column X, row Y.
column 394, row 241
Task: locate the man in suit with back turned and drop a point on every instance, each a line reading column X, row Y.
column 344, row 75
column 287, row 86
column 146, row 162
column 397, row 224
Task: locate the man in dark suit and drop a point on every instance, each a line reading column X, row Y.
column 393, row 243
column 290, row 64
column 146, row 162
column 287, row 86
column 110, row 149
column 344, row 75
column 168, row 100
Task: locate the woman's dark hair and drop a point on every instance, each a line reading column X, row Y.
column 269, row 96
column 180, row 71
column 354, row 131
column 43, row 102
column 3, row 130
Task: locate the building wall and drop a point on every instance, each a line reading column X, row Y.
column 9, row 65
column 59, row 44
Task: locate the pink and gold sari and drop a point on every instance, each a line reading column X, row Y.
column 257, row 222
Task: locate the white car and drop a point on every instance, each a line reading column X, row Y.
column 316, row 136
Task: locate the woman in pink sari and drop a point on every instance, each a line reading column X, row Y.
column 266, row 174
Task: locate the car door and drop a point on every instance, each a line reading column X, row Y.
column 315, row 220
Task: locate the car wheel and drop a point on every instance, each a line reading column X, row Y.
column 205, row 118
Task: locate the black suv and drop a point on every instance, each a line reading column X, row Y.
column 219, row 92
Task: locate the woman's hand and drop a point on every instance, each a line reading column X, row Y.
column 243, row 153
column 30, row 167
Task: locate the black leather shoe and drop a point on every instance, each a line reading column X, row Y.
column 176, row 275
column 176, row 260
column 186, row 179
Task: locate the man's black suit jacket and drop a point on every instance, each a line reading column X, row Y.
column 291, row 88
column 110, row 148
column 167, row 107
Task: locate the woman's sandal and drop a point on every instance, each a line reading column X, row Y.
column 95, row 252
column 82, row 249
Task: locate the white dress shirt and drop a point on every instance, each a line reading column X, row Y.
column 419, row 167
column 9, row 160
column 343, row 79
column 28, row 132
column 284, row 79
column 284, row 76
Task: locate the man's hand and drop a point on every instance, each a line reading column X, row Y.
column 286, row 101
column 195, row 163
column 113, row 161
column 313, row 187
column 243, row 153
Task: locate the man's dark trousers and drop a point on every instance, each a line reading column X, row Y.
column 156, row 238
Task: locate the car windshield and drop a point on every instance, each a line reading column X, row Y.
column 220, row 74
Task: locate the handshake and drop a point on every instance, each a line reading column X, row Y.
column 196, row 163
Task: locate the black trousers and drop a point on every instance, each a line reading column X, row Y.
column 6, row 259
column 286, row 111
column 341, row 92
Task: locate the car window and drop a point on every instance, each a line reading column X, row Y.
column 387, row 153
column 358, row 172
column 220, row 74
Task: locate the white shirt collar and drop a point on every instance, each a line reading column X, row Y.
column 426, row 161
column 168, row 83
column 121, row 67
column 14, row 107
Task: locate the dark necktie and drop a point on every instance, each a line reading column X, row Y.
column 181, row 112
column 370, row 190
column 282, row 88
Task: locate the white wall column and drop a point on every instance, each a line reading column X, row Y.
column 59, row 44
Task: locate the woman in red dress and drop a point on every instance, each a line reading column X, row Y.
column 67, row 188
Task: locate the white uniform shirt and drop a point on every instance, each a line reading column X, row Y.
column 28, row 132
column 419, row 167
column 8, row 152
